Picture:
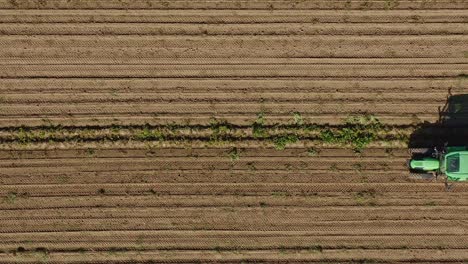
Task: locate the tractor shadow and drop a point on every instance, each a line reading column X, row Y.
column 451, row 129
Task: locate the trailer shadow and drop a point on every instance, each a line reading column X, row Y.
column 451, row 129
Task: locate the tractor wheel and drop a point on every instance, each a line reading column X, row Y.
column 422, row 176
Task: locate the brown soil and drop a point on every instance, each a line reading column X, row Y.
column 88, row 65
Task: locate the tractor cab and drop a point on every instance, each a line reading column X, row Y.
column 455, row 165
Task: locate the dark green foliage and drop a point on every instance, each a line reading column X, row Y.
column 258, row 127
column 281, row 141
column 358, row 132
column 220, row 130
column 147, row 134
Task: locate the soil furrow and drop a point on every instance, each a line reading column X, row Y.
column 233, row 16
column 240, row 223
column 433, row 85
column 222, row 111
column 346, row 50
column 259, row 256
column 227, row 240
column 192, row 42
column 299, row 214
column 237, row 4
column 221, row 97
column 201, row 163
column 278, row 199
column 344, row 176
column 233, row 71
column 135, row 151
column 181, row 29
column 244, row 119
column 281, row 189
column 222, row 61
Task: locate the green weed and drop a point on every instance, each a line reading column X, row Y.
column 365, row 197
column 282, row 141
column 114, row 93
column 358, row 132
column 357, row 166
column 147, row 134
column 42, row 254
column 313, row 151
column 11, row 197
column 258, row 127
column 24, row 137
column 220, row 131
column 115, row 132
column 234, row 154
column 316, row 248
column 90, row 152
column 391, row 4
column 298, row 120
column 334, row 167
column 430, row 203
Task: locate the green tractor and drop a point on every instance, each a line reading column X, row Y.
column 430, row 163
column 448, row 159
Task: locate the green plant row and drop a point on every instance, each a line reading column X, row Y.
column 355, row 132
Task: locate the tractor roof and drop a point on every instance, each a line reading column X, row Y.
column 457, row 165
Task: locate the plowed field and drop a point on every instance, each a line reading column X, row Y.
column 227, row 131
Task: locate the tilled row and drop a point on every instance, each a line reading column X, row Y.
column 332, row 214
column 220, row 97
column 358, row 175
column 281, row 189
column 239, row 16
column 193, row 42
column 241, row 223
column 236, row 71
column 423, row 86
column 136, row 151
column 218, row 133
column 220, row 111
column 23, row 166
column 324, row 46
column 234, row 29
column 227, row 240
column 236, row 4
column 131, row 118
column 259, row 256
column 22, row 201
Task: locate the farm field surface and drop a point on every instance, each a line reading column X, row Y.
column 232, row 131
